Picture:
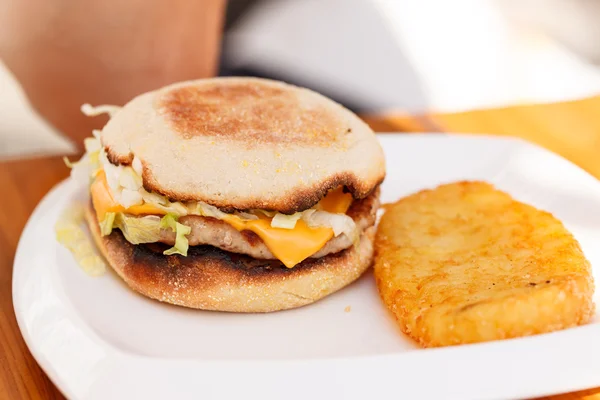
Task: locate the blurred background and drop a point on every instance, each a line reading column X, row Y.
column 376, row 57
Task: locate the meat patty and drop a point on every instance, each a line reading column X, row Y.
column 217, row 233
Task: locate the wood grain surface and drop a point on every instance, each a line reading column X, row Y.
column 571, row 129
column 23, row 184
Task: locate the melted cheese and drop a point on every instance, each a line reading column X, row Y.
column 104, row 202
column 336, row 201
column 290, row 246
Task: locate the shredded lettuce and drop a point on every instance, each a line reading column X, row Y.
column 68, row 162
column 112, row 173
column 181, row 242
column 130, row 198
column 154, row 198
column 174, row 207
column 137, row 166
column 162, row 203
column 269, row 214
column 148, row 229
column 92, row 111
column 206, row 210
column 169, row 221
column 129, row 179
column 70, row 232
column 95, row 160
column 139, row 229
column 285, row 221
column 91, row 144
column 340, row 223
column 83, row 170
column 246, row 216
column 106, row 225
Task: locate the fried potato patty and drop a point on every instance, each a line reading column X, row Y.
column 467, row 263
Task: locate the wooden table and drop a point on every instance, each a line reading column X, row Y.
column 571, row 129
column 23, row 184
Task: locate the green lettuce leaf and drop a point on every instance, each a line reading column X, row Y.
column 106, row 226
column 169, row 221
column 85, row 168
column 95, row 159
column 139, row 229
column 285, row 221
column 70, row 232
column 181, row 242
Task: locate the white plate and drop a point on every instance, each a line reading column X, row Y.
column 97, row 339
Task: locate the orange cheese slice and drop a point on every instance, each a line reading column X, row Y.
column 104, row 202
column 291, row 246
column 336, row 201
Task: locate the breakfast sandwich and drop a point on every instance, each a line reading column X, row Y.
column 233, row 194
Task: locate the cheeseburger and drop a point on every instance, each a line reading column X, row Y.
column 234, row 194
